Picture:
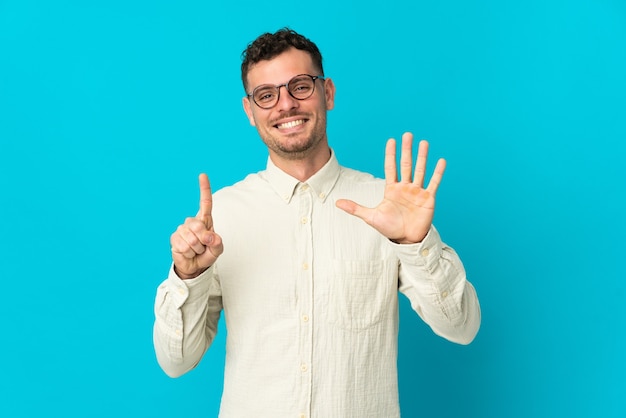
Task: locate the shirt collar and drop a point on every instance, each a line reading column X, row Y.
column 321, row 182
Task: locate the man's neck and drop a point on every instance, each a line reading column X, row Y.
column 302, row 168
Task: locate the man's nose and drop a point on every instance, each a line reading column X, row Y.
column 285, row 100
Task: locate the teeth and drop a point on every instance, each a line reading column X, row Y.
column 291, row 124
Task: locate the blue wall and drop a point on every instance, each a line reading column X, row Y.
column 110, row 109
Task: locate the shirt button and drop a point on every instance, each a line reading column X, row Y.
column 304, row 187
column 178, row 332
column 304, row 219
column 181, row 290
column 302, row 416
column 425, row 252
column 305, row 318
column 444, row 294
column 305, row 266
column 322, row 195
column 303, row 368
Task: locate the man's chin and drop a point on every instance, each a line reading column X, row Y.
column 293, row 153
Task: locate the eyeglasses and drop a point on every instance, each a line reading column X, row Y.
column 299, row 87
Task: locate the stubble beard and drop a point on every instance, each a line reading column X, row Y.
column 290, row 147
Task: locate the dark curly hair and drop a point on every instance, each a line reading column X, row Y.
column 270, row 45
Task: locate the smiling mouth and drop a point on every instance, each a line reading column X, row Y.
column 290, row 124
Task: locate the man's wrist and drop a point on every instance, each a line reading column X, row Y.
column 184, row 276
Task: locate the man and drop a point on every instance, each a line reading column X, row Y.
column 308, row 280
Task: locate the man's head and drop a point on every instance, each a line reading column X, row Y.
column 270, row 45
column 287, row 96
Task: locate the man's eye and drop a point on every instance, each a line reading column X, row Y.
column 264, row 96
column 301, row 87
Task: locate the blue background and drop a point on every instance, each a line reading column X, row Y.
column 110, row 109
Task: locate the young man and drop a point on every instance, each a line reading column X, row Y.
column 308, row 280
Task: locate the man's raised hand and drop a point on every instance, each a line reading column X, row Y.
column 195, row 245
column 406, row 212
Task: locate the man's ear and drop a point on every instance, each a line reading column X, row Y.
column 329, row 93
column 247, row 107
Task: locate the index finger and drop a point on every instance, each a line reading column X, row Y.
column 391, row 174
column 206, row 199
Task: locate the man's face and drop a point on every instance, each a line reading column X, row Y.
column 293, row 129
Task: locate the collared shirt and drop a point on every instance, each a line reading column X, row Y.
column 310, row 297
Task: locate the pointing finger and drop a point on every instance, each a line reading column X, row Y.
column 206, row 199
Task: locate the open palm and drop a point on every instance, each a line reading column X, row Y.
column 407, row 209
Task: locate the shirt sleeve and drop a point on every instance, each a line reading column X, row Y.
column 432, row 276
column 186, row 317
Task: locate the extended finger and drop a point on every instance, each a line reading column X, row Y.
column 406, row 157
column 435, row 180
column 206, row 199
column 420, row 163
column 355, row 209
column 391, row 175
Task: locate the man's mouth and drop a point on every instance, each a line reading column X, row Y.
column 290, row 124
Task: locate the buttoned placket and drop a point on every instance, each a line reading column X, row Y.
column 305, row 295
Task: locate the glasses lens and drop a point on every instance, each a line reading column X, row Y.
column 301, row 87
column 265, row 96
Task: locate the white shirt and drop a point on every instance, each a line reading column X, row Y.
column 310, row 297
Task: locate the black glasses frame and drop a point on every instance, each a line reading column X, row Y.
column 286, row 86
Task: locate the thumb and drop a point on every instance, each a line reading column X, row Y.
column 214, row 248
column 214, row 244
column 354, row 209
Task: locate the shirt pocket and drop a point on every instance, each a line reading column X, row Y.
column 359, row 293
